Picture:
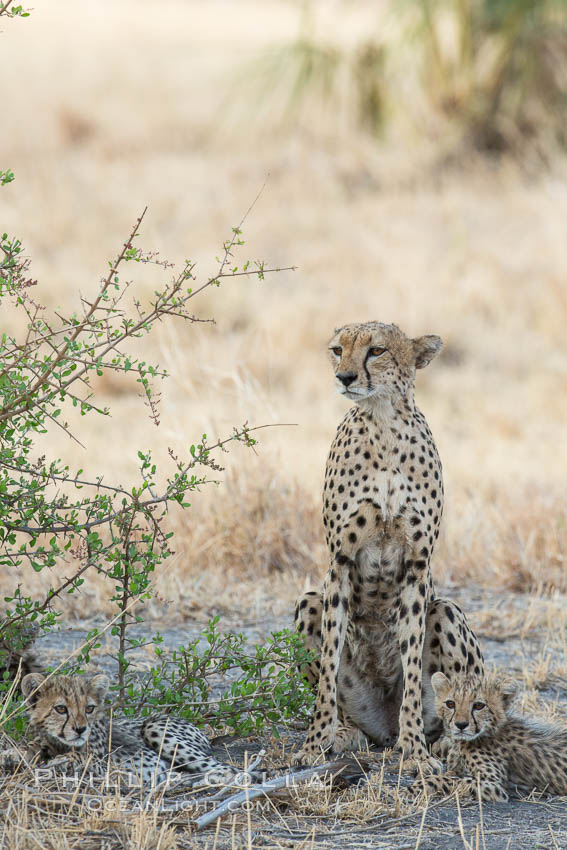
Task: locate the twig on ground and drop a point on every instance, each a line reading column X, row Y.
column 289, row 780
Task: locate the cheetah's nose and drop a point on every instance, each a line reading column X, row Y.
column 461, row 724
column 346, row 378
column 80, row 730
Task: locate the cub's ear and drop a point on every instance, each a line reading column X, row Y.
column 508, row 691
column 98, row 686
column 31, row 683
column 425, row 348
column 440, row 684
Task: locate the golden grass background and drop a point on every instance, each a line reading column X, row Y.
column 112, row 106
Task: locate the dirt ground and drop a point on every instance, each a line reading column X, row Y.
column 371, row 814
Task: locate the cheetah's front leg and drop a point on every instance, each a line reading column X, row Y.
column 489, row 771
column 491, row 789
column 442, row 786
column 411, row 636
column 336, row 602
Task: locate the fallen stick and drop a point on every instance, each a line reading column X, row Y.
column 289, row 780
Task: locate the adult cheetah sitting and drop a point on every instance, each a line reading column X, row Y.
column 380, row 632
column 488, row 747
column 67, row 716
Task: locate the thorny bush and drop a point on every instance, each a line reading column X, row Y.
column 51, row 514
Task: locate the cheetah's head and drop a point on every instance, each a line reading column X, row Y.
column 471, row 706
column 62, row 708
column 377, row 361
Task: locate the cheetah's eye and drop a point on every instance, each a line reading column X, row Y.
column 450, row 703
column 478, row 706
column 337, row 350
column 376, row 352
column 90, row 708
column 61, row 709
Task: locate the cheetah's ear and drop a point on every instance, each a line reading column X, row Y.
column 98, row 686
column 425, row 348
column 508, row 691
column 440, row 684
column 30, row 683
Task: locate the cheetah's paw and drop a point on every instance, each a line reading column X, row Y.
column 349, row 738
column 310, row 754
column 422, row 764
column 11, row 759
column 441, row 747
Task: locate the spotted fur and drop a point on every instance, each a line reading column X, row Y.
column 17, row 654
column 380, row 631
column 67, row 715
column 489, row 748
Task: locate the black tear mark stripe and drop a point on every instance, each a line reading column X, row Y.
column 368, row 378
column 67, row 719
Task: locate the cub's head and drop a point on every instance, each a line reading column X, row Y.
column 378, row 361
column 471, row 707
column 62, row 708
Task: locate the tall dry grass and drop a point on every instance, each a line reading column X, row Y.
column 144, row 108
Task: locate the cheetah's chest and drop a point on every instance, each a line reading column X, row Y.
column 98, row 739
column 394, row 468
column 360, row 470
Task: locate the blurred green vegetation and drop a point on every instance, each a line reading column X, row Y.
column 496, row 67
column 309, row 73
column 495, row 71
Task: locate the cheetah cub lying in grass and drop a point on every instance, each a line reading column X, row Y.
column 491, row 748
column 67, row 716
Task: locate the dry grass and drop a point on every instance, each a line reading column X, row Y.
column 518, row 542
column 475, row 253
column 55, row 813
column 133, row 110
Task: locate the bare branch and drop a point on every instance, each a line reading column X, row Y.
column 12, row 409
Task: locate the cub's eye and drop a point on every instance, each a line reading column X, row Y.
column 450, row 703
column 478, row 706
column 376, row 352
column 61, row 709
column 337, row 350
column 90, row 708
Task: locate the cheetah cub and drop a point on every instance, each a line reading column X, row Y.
column 67, row 716
column 378, row 627
column 491, row 748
